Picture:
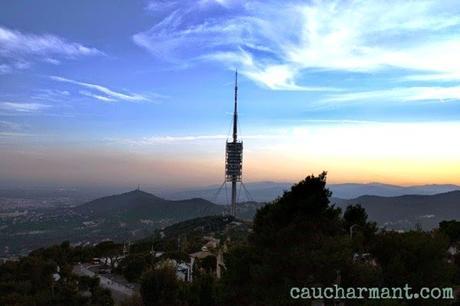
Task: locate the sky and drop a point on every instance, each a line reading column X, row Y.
column 121, row 93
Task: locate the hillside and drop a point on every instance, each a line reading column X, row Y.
column 353, row 190
column 127, row 216
column 202, row 225
column 193, row 233
column 137, row 214
column 131, row 206
column 408, row 211
column 268, row 191
column 216, row 226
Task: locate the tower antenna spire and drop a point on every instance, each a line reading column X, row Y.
column 235, row 111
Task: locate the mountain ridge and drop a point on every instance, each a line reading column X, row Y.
column 408, row 211
column 267, row 191
column 395, row 212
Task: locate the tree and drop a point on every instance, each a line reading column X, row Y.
column 110, row 250
column 297, row 239
column 160, row 287
column 451, row 229
column 354, row 215
column 30, row 281
column 208, row 264
column 202, row 291
column 134, row 300
column 415, row 258
column 102, row 297
column 133, row 266
column 356, row 223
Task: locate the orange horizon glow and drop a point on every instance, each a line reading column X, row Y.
column 392, row 153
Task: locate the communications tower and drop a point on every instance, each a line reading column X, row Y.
column 234, row 154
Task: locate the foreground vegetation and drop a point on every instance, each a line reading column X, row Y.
column 297, row 240
column 45, row 278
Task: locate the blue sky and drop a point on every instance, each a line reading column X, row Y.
column 121, row 92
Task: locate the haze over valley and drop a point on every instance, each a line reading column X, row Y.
column 38, row 218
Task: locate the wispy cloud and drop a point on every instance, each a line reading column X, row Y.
column 52, row 61
column 9, row 126
column 275, row 43
column 176, row 139
column 14, row 42
column 442, row 94
column 4, row 68
column 15, row 65
column 181, row 139
column 13, row 130
column 430, row 77
column 19, row 48
column 46, row 94
column 160, row 5
column 23, row 107
column 108, row 95
column 96, row 96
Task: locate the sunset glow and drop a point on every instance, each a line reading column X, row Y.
column 145, row 96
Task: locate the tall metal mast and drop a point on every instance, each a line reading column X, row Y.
column 235, row 112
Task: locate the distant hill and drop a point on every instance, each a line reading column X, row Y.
column 137, row 214
column 268, row 191
column 408, row 211
column 137, row 204
column 259, row 192
column 122, row 217
column 351, row 190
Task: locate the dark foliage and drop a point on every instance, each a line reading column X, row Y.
column 298, row 239
column 160, row 287
column 451, row 229
column 36, row 280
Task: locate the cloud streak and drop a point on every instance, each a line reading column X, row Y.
column 19, row 49
column 103, row 93
column 23, row 107
column 9, row 126
column 442, row 94
column 13, row 42
column 276, row 43
column 182, row 139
